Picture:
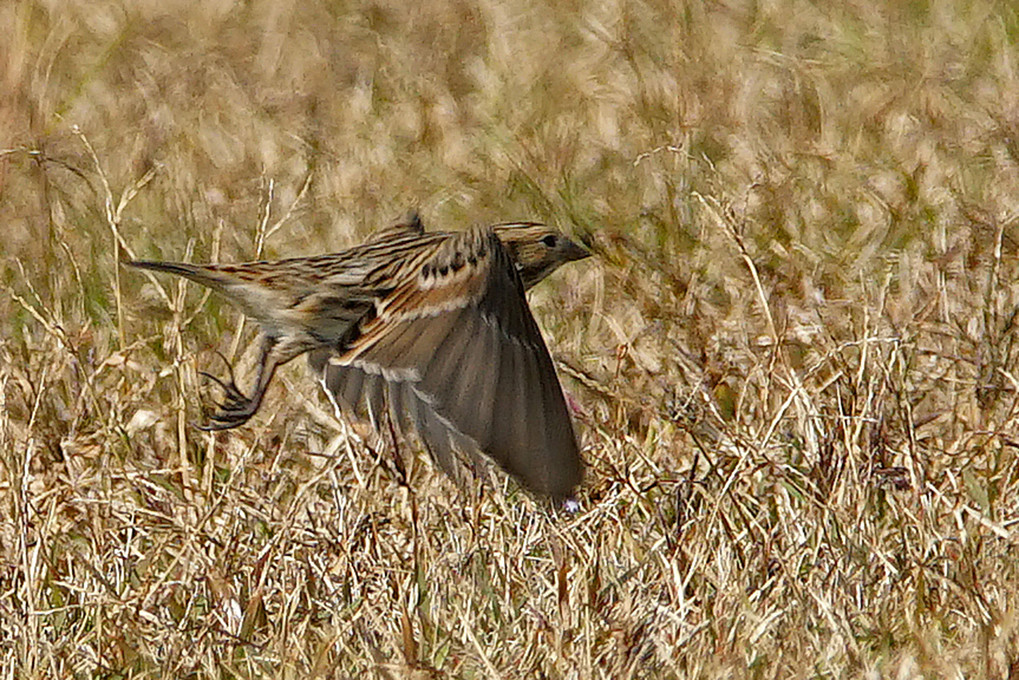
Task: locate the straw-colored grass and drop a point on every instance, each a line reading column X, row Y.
column 793, row 360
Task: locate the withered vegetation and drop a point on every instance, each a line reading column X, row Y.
column 792, row 364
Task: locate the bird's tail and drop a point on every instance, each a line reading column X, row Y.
column 204, row 275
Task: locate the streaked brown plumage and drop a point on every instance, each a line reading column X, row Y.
column 433, row 325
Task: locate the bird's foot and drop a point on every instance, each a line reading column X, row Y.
column 235, row 409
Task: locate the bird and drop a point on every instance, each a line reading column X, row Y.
column 432, row 325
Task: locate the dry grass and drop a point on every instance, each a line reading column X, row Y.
column 795, row 356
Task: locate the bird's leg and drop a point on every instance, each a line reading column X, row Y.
column 236, row 409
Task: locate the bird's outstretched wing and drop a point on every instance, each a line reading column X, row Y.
column 454, row 350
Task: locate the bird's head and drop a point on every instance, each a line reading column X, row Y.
column 537, row 249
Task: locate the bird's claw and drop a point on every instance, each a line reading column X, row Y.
column 235, row 409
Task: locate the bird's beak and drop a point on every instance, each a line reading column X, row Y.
column 574, row 252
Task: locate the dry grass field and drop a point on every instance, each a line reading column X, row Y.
column 794, row 361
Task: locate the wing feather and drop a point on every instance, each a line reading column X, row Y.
column 466, row 364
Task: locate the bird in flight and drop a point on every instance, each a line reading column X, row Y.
column 433, row 325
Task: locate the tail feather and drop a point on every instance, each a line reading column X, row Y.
column 197, row 273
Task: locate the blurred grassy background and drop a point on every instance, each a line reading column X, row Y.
column 793, row 359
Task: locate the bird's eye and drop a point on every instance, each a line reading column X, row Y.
column 549, row 241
